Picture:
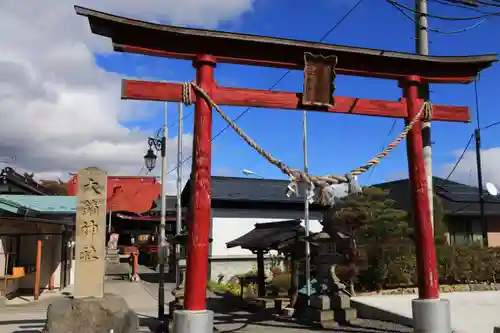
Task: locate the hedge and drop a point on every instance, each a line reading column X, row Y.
column 390, row 266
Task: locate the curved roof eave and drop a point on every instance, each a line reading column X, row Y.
column 135, row 36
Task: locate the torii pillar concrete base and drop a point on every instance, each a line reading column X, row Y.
column 186, row 321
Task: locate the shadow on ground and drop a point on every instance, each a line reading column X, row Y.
column 228, row 318
column 153, row 277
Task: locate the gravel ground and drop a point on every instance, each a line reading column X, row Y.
column 245, row 322
column 228, row 320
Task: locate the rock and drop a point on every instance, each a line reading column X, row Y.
column 91, row 315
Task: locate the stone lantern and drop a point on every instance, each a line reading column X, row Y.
column 333, row 304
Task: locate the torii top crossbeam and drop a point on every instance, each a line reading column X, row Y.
column 147, row 38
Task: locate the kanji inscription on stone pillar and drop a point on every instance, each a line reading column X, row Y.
column 90, row 233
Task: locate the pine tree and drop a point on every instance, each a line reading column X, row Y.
column 373, row 221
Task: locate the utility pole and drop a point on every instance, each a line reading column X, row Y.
column 178, row 224
column 422, row 47
column 162, row 253
column 306, row 211
column 430, row 315
column 484, row 226
column 477, row 134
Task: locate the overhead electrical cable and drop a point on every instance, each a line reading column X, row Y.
column 491, row 125
column 158, row 132
column 446, row 18
column 484, row 3
column 461, row 157
column 393, row 126
column 458, row 5
column 401, row 10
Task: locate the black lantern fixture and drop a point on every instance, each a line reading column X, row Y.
column 150, row 159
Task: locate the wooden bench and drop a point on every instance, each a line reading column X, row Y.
column 17, row 273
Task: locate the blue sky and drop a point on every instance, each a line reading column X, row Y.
column 337, row 143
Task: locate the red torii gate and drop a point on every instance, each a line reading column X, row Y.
column 205, row 48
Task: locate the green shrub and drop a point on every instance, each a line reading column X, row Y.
column 280, row 284
column 395, row 266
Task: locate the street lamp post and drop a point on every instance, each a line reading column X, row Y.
column 160, row 144
column 178, row 224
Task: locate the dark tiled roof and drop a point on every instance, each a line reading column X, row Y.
column 31, row 186
column 456, row 198
column 268, row 236
column 171, row 204
column 256, row 190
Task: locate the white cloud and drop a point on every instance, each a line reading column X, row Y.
column 466, row 171
column 60, row 112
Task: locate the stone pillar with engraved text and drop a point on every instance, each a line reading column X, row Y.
column 90, row 248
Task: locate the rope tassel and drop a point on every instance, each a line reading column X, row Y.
column 322, row 184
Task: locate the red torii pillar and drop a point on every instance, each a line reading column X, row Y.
column 205, row 47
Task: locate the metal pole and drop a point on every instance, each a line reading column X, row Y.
column 477, row 134
column 306, row 210
column 178, row 224
column 484, row 222
column 161, row 240
column 109, row 222
column 422, row 47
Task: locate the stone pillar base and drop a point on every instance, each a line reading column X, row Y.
column 431, row 316
column 91, row 315
column 186, row 321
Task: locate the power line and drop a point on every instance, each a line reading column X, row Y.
column 496, row 3
column 393, row 126
column 491, row 125
column 461, row 157
column 458, row 5
column 446, row 18
column 484, row 3
column 158, row 132
column 436, row 30
column 335, row 26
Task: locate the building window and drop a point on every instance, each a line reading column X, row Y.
column 465, row 232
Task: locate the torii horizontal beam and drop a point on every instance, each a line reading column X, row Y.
column 172, row 92
column 134, row 36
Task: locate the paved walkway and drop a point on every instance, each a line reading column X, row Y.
column 142, row 298
column 30, row 317
column 471, row 312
